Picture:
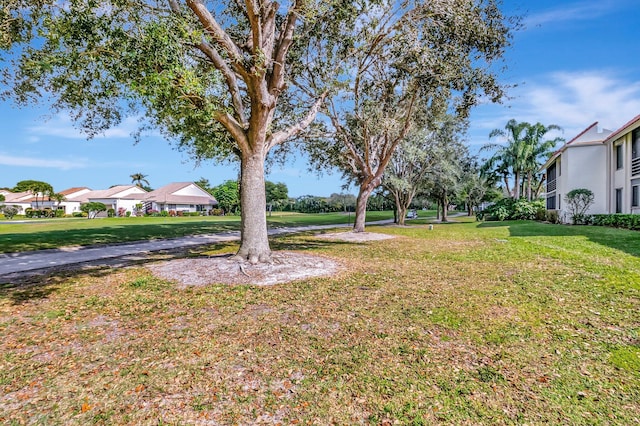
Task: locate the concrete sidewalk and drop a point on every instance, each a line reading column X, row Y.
column 23, row 262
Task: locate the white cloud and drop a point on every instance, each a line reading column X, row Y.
column 10, row 160
column 63, row 127
column 570, row 12
column 572, row 100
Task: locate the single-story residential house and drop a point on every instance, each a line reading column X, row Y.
column 119, row 198
column 180, row 197
column 20, row 199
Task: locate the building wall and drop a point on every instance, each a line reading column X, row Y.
column 619, row 178
column 586, row 168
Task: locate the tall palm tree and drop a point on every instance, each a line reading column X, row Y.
column 523, row 154
column 510, row 157
column 538, row 151
column 138, row 179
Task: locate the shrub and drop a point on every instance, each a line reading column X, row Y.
column 127, row 213
column 10, row 211
column 578, row 202
column 508, row 208
column 552, row 216
column 164, row 213
column 215, row 212
column 172, row 213
column 111, row 212
column 59, row 213
column 194, row 214
column 626, row 221
column 581, row 219
column 122, row 212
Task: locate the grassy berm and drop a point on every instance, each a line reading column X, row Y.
column 468, row 323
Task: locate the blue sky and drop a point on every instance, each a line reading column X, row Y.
column 574, row 63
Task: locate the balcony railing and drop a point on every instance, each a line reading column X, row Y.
column 551, row 186
column 635, row 167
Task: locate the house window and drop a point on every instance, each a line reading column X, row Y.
column 618, row 200
column 619, row 159
column 551, row 172
column 551, row 203
column 635, row 144
column 559, row 200
column 635, row 193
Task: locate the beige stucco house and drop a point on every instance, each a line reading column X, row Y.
column 180, row 197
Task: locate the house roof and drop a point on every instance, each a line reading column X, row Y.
column 111, row 193
column 589, row 136
column 73, row 190
column 167, row 195
column 14, row 197
column 633, row 123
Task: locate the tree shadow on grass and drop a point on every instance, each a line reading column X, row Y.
column 113, row 234
column 20, row 288
column 618, row 239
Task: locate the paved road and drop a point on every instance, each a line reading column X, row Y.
column 17, row 263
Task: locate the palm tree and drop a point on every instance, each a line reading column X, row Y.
column 58, row 198
column 538, row 151
column 138, row 179
column 509, row 158
column 522, row 155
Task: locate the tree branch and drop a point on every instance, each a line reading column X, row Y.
column 218, row 34
column 234, row 128
column 253, row 16
column 230, row 78
column 281, row 136
column 276, row 82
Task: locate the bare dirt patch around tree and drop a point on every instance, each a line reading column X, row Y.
column 285, row 267
column 356, row 237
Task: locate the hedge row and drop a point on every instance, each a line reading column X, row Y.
column 618, row 220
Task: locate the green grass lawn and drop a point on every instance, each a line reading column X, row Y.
column 469, row 323
column 47, row 234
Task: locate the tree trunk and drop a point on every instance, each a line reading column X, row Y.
column 361, row 206
column 506, row 184
column 445, row 206
column 516, row 194
column 254, row 240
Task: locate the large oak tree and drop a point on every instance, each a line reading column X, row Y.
column 217, row 77
column 410, row 60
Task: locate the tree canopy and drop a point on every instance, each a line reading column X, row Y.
column 232, row 79
column 410, row 61
column 521, row 155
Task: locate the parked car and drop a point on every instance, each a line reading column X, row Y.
column 412, row 214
